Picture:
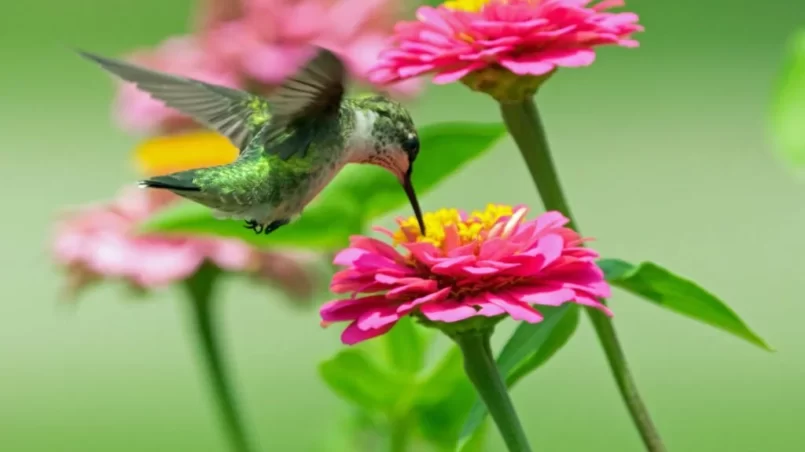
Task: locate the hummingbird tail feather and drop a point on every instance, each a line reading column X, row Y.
column 171, row 182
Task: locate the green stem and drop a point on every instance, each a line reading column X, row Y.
column 480, row 366
column 200, row 288
column 524, row 124
column 399, row 435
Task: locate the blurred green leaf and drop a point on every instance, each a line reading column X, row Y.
column 476, row 442
column 358, row 431
column 442, row 400
column 521, row 349
column 788, row 105
column 405, row 346
column 352, row 375
column 439, row 384
column 440, row 423
column 656, row 284
column 560, row 336
column 358, row 194
column 322, row 227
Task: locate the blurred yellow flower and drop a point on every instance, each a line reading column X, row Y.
column 189, row 150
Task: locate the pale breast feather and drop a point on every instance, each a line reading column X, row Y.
column 362, row 139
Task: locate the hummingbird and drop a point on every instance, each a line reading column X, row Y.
column 292, row 142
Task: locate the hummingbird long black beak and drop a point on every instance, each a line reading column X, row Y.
column 409, row 191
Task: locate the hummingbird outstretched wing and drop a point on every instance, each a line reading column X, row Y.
column 233, row 113
column 314, row 91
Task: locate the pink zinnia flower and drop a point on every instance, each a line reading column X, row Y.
column 100, row 242
column 274, row 38
column 136, row 111
column 526, row 37
column 492, row 263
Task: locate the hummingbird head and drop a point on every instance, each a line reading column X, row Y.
column 391, row 141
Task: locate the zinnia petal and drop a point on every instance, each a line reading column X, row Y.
column 380, row 317
column 451, row 75
column 430, row 298
column 544, row 295
column 531, row 65
column 516, row 309
column 351, row 309
column 448, row 311
column 484, row 264
column 353, row 334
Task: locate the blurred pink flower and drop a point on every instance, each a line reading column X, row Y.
column 527, row 37
column 274, row 38
column 255, row 45
column 137, row 112
column 211, row 13
column 491, row 264
column 99, row 241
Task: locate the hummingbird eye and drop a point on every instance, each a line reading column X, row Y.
column 411, row 146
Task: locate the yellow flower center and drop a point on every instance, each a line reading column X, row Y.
column 448, row 221
column 172, row 153
column 466, row 5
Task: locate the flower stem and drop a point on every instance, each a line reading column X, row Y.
column 200, row 288
column 399, row 436
column 480, row 366
column 524, row 124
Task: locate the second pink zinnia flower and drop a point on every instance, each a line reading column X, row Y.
column 525, row 37
column 492, row 263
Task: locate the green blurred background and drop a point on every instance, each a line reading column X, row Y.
column 663, row 154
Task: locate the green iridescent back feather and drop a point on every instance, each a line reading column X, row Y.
column 260, row 177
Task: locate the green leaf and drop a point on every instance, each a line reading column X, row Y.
column 560, row 336
column 788, row 105
column 529, row 347
column 322, row 227
column 446, row 375
column 353, row 376
column 405, row 346
column 656, row 284
column 358, row 194
column 476, row 442
column 353, row 432
column 441, row 401
column 440, row 424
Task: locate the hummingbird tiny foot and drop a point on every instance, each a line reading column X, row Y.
column 255, row 226
column 274, row 225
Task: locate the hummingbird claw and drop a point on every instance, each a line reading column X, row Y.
column 274, row 225
column 265, row 228
column 255, row 226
